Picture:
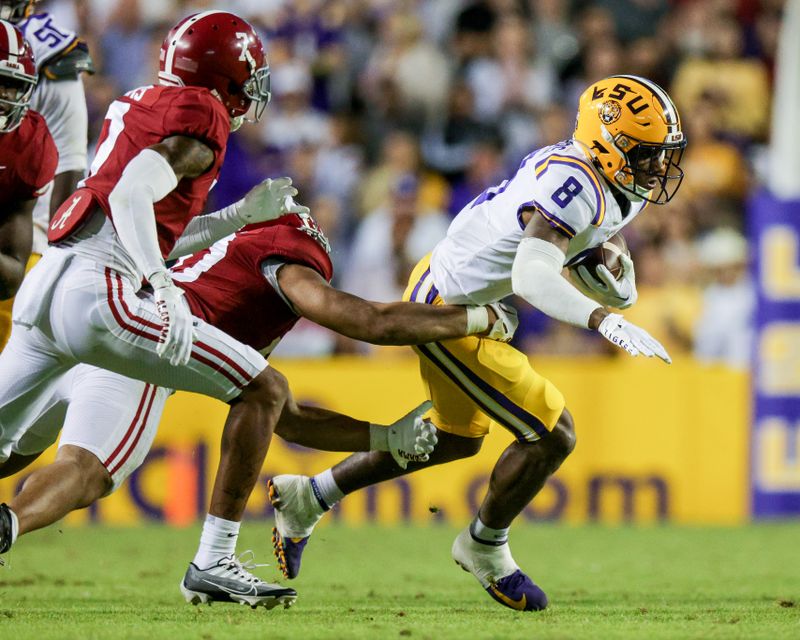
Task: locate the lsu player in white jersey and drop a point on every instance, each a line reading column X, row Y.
column 59, row 96
column 517, row 237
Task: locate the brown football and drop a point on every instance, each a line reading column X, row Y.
column 607, row 253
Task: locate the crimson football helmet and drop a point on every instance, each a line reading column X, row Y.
column 15, row 10
column 17, row 76
column 222, row 52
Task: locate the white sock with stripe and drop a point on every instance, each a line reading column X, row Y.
column 217, row 541
column 326, row 491
column 486, row 535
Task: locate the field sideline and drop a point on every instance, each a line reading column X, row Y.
column 398, row 582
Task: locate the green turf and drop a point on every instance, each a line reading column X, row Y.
column 660, row 582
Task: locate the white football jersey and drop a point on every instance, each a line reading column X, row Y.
column 472, row 265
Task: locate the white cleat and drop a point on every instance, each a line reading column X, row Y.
column 231, row 581
column 297, row 511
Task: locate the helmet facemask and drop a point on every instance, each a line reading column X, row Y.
column 257, row 88
column 12, row 110
column 652, row 171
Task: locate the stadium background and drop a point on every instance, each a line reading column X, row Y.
column 389, row 116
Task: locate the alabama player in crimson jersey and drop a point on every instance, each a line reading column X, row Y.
column 28, row 161
column 254, row 284
column 60, row 57
column 160, row 152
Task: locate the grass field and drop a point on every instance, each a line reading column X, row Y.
column 371, row 582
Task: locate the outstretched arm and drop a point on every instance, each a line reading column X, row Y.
column 322, row 429
column 409, row 439
column 16, row 233
column 394, row 323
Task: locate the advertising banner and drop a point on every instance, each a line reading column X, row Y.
column 775, row 232
column 654, row 443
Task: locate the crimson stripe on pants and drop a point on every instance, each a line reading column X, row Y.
column 131, row 427
column 139, row 433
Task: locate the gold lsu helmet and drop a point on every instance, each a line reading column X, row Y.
column 632, row 131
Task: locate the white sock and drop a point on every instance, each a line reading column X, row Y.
column 481, row 533
column 217, row 541
column 326, row 491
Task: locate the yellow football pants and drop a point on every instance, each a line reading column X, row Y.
column 475, row 382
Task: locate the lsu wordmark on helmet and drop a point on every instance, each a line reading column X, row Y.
column 631, row 129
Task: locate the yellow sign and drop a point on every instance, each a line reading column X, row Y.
column 655, row 442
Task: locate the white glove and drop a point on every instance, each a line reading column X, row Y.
column 506, row 323
column 268, row 200
column 177, row 327
column 409, row 439
column 635, row 340
column 609, row 291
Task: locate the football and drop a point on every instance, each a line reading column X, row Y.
column 607, row 254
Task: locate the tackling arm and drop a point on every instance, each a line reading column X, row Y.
column 16, row 234
column 395, row 323
column 409, row 439
column 322, row 429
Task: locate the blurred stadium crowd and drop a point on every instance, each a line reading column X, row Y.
column 390, row 115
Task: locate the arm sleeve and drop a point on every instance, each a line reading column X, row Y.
column 146, row 180
column 203, row 231
column 536, row 277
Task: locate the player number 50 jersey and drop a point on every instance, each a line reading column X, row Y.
column 472, row 264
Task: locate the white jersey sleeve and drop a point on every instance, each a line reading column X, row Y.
column 568, row 193
column 63, row 105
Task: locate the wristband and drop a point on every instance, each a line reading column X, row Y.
column 378, row 437
column 477, row 320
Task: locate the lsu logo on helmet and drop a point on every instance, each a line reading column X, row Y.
column 631, row 129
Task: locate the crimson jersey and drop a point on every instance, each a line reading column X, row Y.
column 28, row 160
column 135, row 121
column 226, row 286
